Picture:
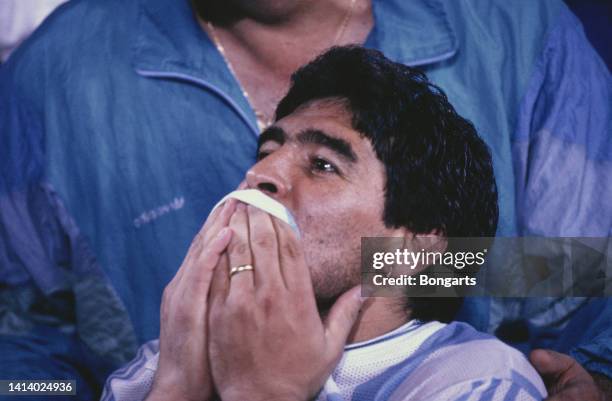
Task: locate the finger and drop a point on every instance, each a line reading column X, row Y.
column 221, row 219
column 195, row 284
column 583, row 391
column 342, row 318
column 264, row 248
column 573, row 394
column 239, row 253
column 197, row 280
column 294, row 270
column 551, row 364
column 194, row 249
column 198, row 275
column 220, row 281
column 215, row 222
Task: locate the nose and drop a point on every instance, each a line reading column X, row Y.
column 270, row 176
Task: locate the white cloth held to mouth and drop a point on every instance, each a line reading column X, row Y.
column 264, row 202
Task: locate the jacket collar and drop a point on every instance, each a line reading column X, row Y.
column 169, row 38
column 414, row 32
column 170, row 44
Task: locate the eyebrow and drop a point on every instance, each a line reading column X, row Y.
column 310, row 136
column 274, row 134
column 337, row 145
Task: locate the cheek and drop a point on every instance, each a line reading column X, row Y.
column 338, row 225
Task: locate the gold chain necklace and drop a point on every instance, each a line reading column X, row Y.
column 264, row 121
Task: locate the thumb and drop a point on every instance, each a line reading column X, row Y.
column 342, row 317
column 551, row 364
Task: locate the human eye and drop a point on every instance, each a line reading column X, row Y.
column 321, row 165
column 262, row 155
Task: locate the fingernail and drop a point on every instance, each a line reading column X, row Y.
column 241, row 206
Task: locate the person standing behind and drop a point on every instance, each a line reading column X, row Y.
column 123, row 123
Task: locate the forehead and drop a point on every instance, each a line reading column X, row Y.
column 331, row 113
column 331, row 116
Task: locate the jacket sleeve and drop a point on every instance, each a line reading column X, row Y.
column 562, row 145
column 57, row 311
column 562, row 152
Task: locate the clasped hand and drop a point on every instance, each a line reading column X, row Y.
column 256, row 335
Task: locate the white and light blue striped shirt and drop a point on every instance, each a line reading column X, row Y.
column 418, row 361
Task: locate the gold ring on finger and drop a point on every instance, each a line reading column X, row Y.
column 240, row 269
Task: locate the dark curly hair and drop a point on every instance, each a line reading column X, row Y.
column 439, row 172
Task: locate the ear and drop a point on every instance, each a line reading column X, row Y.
column 433, row 241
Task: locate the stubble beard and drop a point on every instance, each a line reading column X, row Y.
column 333, row 276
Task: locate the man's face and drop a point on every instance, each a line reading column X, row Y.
column 329, row 177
